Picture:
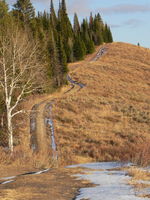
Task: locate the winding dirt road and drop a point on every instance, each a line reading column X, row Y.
column 38, row 122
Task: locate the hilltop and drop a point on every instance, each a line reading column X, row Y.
column 109, row 118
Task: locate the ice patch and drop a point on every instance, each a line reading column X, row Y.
column 111, row 185
column 102, row 165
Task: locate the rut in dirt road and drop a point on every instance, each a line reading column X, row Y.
column 51, row 132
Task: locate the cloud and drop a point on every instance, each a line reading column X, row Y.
column 126, row 8
column 82, row 7
column 115, row 26
column 79, row 6
column 132, row 23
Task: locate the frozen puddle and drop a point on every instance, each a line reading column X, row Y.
column 111, row 184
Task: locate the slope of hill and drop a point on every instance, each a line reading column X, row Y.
column 108, row 119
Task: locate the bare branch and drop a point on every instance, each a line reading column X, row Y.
column 18, row 112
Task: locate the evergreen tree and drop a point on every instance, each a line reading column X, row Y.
column 79, row 49
column 90, row 46
column 53, row 18
column 98, row 16
column 24, row 10
column 76, row 27
column 107, row 34
column 97, row 30
column 65, row 28
column 91, row 22
column 110, row 38
column 70, row 49
column 86, row 37
column 63, row 6
column 62, row 60
column 45, row 21
column 55, row 69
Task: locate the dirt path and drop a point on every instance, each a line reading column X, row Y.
column 57, row 184
column 40, row 140
column 41, row 129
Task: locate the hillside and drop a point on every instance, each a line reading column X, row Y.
column 106, row 118
column 109, row 118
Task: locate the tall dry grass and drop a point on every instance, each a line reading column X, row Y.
column 109, row 119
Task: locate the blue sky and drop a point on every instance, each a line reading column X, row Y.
column 129, row 19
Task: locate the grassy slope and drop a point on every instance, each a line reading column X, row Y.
column 110, row 118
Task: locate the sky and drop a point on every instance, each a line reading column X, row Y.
column 129, row 19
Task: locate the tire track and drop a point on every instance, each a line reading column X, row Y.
column 100, row 53
column 33, row 126
column 51, row 131
column 11, row 179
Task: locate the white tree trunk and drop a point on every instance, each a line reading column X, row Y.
column 10, row 131
column 2, row 121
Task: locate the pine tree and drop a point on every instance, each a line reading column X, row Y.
column 110, row 38
column 65, row 28
column 62, row 60
column 79, row 48
column 63, row 6
column 99, row 19
column 45, row 21
column 90, row 46
column 86, row 37
column 91, row 22
column 24, row 10
column 55, row 69
column 53, row 18
column 70, row 49
column 76, row 27
column 97, row 30
column 107, row 35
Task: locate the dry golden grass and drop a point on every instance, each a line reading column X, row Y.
column 109, row 119
column 138, row 174
column 139, row 179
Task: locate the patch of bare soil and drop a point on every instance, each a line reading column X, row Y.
column 57, row 184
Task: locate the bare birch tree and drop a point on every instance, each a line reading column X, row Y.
column 18, row 69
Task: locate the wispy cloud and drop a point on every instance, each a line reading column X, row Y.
column 79, row 6
column 132, row 23
column 115, row 25
column 82, row 7
column 126, row 8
